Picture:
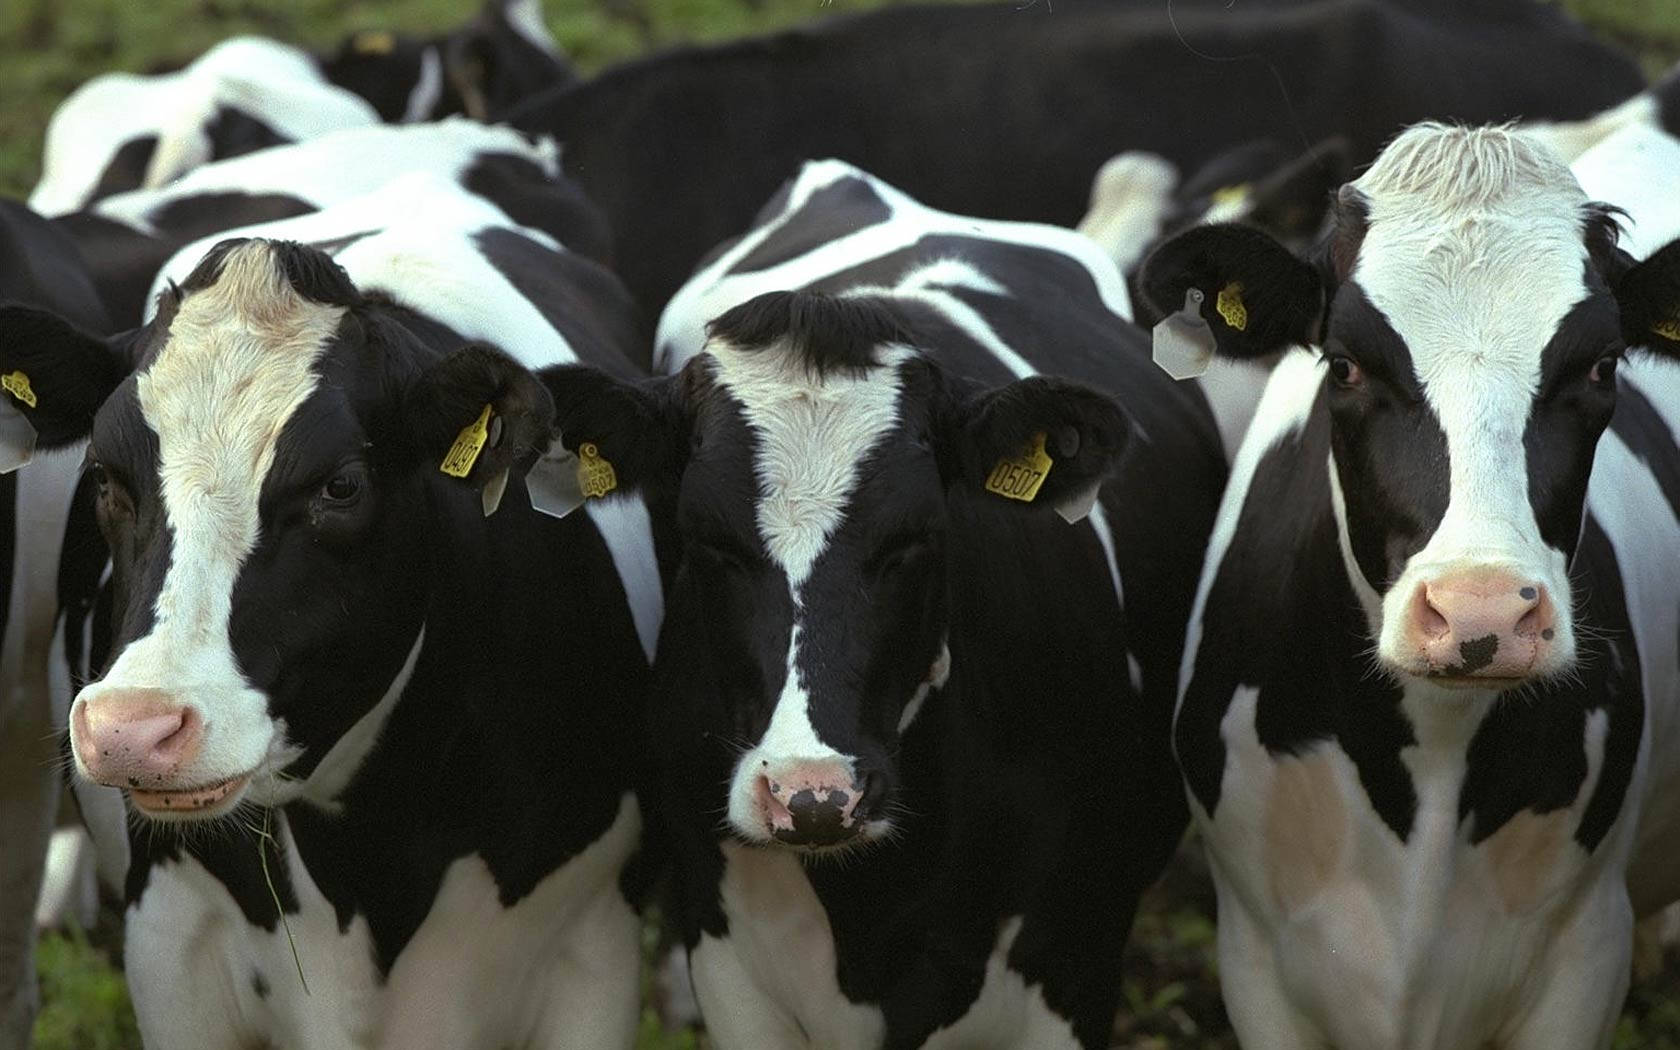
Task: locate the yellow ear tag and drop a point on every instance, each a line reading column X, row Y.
column 1669, row 329
column 1020, row 477
column 373, row 42
column 468, row 444
column 596, row 476
column 1229, row 195
column 1230, row 306
column 17, row 385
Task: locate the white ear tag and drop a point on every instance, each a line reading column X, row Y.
column 553, row 482
column 1183, row 341
column 492, row 493
column 1078, row 506
column 17, row 438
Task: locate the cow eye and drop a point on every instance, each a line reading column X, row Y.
column 343, row 487
column 1344, row 371
column 1603, row 371
column 900, row 551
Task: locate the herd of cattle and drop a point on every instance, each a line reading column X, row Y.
column 461, row 501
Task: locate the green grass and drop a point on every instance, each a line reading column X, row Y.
column 50, row 46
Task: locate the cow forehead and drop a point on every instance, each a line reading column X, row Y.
column 237, row 361
column 1474, row 251
column 814, row 431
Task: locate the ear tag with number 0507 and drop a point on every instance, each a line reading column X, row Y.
column 596, row 476
column 468, row 444
column 1183, row 342
column 1020, row 477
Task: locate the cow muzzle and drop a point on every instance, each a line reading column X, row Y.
column 814, row 804
column 1478, row 628
column 145, row 741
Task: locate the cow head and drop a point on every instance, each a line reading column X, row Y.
column 267, row 454
column 1471, row 308
column 811, row 449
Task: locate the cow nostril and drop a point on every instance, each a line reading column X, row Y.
column 1427, row 618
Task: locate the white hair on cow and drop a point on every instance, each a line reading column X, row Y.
column 1454, row 167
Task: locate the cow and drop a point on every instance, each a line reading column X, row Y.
column 889, row 675
column 123, row 131
column 381, row 750
column 126, row 238
column 41, row 268
column 1428, row 716
column 952, row 103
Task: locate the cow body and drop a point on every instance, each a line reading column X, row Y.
column 439, row 809
column 1035, row 670
column 951, row 103
column 1428, row 701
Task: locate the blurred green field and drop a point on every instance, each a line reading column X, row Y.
column 51, row 46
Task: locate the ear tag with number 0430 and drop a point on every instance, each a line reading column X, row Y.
column 17, row 385
column 1020, row 477
column 468, row 444
column 1183, row 342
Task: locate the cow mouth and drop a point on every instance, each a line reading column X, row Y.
column 1484, row 683
column 203, row 801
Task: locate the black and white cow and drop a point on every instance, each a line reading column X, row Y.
column 912, row 733
column 124, row 131
column 128, row 237
column 350, row 712
column 953, row 102
column 1429, row 718
column 40, row 267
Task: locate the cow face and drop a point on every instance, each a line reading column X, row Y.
column 267, row 473
column 812, row 449
column 1472, row 308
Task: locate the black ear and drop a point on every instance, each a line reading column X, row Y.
column 1291, row 203
column 1648, row 293
column 636, row 426
column 1257, row 298
column 1038, row 441
column 55, row 373
column 446, row 409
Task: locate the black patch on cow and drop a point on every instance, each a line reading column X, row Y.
column 312, row 273
column 579, row 298
column 81, row 563
column 531, row 197
column 259, row 984
column 234, row 132
column 1569, row 413
column 1667, row 93
column 844, row 206
column 1476, row 654
column 1391, row 454
column 126, row 170
column 185, row 219
column 827, row 334
column 233, row 854
column 1283, row 577
column 1529, row 753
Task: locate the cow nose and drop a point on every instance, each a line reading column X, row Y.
column 134, row 737
column 812, row 803
column 1482, row 623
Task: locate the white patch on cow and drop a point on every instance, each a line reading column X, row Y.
column 239, row 360
column 1009, row 1014
column 557, row 969
column 627, row 530
column 1474, row 253
column 428, row 88
column 526, row 18
column 1638, row 169
column 938, row 675
column 772, row 981
column 1571, row 139
column 1369, row 599
column 339, row 766
column 69, row 888
column 1130, row 198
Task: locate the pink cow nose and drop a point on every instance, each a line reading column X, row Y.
column 134, row 738
column 810, row 803
column 1481, row 623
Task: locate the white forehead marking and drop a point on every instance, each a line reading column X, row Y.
column 813, row 433
column 238, row 362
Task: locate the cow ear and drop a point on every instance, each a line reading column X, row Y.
column 1648, row 293
column 477, row 416
column 1034, row 443
column 1255, row 297
column 1291, row 203
column 55, row 374
column 625, row 434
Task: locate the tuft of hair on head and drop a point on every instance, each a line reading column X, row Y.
column 1457, row 166
column 253, row 268
column 824, row 333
